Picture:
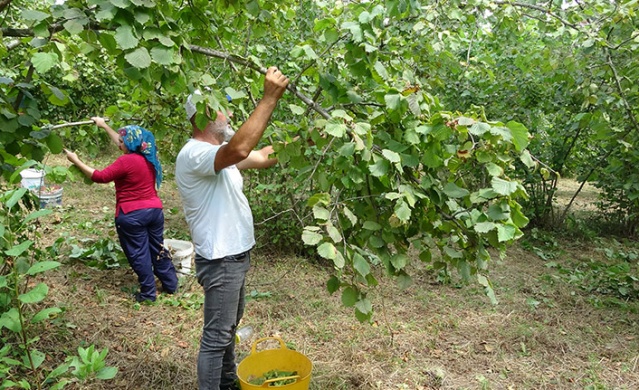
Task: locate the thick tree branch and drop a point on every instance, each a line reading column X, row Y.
column 54, row 28
column 241, row 61
column 13, row 44
column 4, row 4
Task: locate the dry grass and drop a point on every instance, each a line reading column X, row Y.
column 544, row 333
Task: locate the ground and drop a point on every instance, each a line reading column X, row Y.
column 545, row 332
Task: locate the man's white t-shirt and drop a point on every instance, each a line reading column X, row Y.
column 215, row 208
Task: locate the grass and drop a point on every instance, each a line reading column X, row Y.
column 546, row 332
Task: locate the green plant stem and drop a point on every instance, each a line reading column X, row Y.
column 23, row 331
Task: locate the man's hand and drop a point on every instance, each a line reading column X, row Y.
column 99, row 121
column 274, row 84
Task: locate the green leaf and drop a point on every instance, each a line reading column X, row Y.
column 361, row 265
column 403, row 211
column 43, row 62
column 322, row 198
column 391, row 156
column 125, row 38
column 327, row 251
column 355, row 30
column 297, row 110
column 335, row 129
column 36, row 294
column 139, row 58
column 494, row 169
column 484, row 227
column 75, row 26
column 349, row 297
column 42, row 267
column 518, row 217
column 45, row 314
column 399, row 261
column 54, row 142
column 58, row 97
column 332, row 284
column 380, row 168
column 453, row 191
column 320, row 212
column 506, row 233
column 381, row 70
column 339, row 260
column 364, row 306
column 393, row 101
column 488, row 288
column 35, row 215
column 37, row 358
column 333, row 233
column 372, row 225
column 19, row 249
column 527, row 159
column 310, row 235
column 162, row 56
column 120, row 3
column 11, row 320
column 15, row 197
column 33, row 15
column 107, row 373
column 479, row 128
column 503, row 187
column 349, row 214
column 520, row 135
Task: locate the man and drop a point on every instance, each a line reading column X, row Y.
column 221, row 224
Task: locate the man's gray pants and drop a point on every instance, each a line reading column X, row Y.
column 223, row 284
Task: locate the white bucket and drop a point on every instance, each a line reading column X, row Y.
column 50, row 199
column 182, row 253
column 32, row 178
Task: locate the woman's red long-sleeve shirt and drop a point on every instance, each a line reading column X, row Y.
column 134, row 179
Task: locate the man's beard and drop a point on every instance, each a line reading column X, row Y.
column 228, row 133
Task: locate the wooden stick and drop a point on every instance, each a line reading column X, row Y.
column 74, row 124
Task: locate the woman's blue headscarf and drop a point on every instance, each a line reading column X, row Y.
column 139, row 140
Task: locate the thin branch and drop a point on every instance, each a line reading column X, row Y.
column 632, row 38
column 626, row 105
column 540, row 9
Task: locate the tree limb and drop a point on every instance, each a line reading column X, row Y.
column 540, row 9
column 249, row 64
column 54, row 28
column 4, row 4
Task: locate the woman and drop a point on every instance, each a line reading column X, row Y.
column 139, row 219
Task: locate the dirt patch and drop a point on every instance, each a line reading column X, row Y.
column 544, row 334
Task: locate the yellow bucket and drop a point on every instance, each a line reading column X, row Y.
column 281, row 359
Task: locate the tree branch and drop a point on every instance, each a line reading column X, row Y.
column 54, row 28
column 4, row 4
column 249, row 64
column 540, row 9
